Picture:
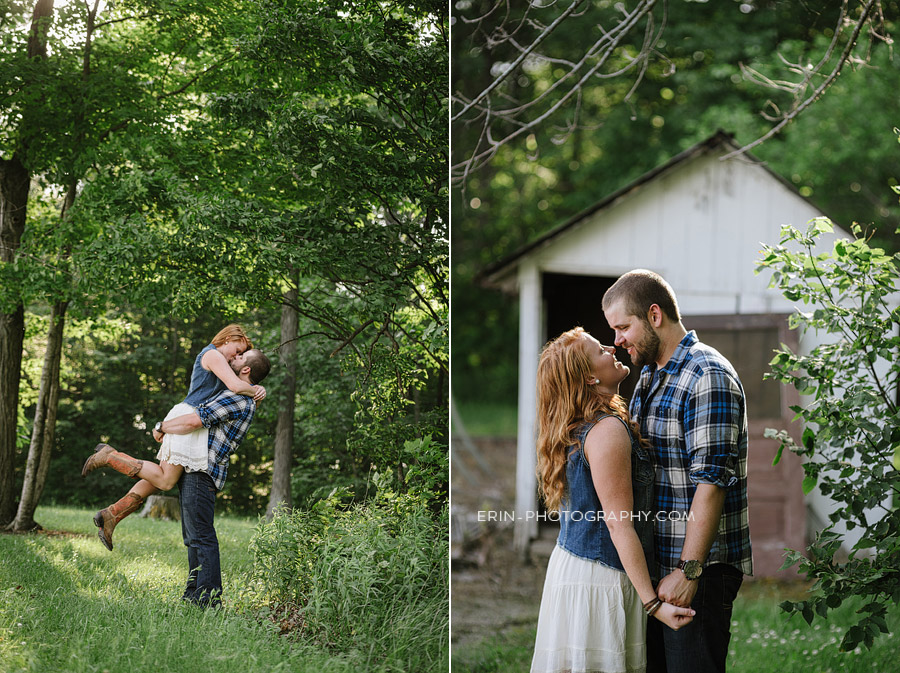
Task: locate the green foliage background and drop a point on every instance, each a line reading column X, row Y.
column 288, row 139
column 839, row 153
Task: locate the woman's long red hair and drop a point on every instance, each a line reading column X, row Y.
column 565, row 400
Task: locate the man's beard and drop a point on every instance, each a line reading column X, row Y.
column 647, row 349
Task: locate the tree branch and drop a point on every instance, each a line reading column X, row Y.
column 601, row 51
column 193, row 79
column 525, row 53
column 355, row 334
column 789, row 116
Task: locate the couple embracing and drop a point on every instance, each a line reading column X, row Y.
column 652, row 591
column 197, row 438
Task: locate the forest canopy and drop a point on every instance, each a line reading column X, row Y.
column 279, row 164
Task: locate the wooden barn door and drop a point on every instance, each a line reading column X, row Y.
column 777, row 508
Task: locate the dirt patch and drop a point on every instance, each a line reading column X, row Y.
column 492, row 588
column 503, row 593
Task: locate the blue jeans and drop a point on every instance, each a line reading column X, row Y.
column 198, row 500
column 702, row 645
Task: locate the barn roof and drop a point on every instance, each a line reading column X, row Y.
column 720, row 141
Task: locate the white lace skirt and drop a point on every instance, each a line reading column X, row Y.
column 591, row 620
column 192, row 450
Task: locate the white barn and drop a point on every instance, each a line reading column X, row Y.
column 698, row 221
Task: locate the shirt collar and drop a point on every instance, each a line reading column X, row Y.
column 682, row 353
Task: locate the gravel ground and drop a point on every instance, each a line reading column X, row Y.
column 492, row 588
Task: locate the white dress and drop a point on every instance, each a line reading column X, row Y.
column 191, row 450
column 591, row 620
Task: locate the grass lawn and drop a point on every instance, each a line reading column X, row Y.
column 764, row 639
column 69, row 605
column 488, row 420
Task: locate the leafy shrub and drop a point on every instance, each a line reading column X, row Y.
column 366, row 577
column 851, row 440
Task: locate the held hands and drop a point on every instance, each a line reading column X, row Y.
column 673, row 616
column 676, row 592
column 676, row 589
column 260, row 393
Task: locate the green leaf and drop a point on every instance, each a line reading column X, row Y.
column 852, row 638
column 880, row 623
column 779, row 359
column 791, row 557
column 809, row 439
column 809, row 483
column 778, row 455
column 808, row 613
column 822, row 225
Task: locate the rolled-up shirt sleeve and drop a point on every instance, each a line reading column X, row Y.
column 713, row 418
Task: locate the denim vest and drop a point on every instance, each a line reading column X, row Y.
column 583, row 531
column 204, row 384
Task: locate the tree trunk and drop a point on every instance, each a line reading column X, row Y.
column 284, row 429
column 14, row 184
column 15, row 181
column 44, row 424
column 163, row 507
column 44, row 427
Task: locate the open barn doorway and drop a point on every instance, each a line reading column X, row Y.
column 574, row 301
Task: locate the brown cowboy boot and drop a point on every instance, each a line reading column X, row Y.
column 106, row 519
column 105, row 455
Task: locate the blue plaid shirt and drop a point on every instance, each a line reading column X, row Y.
column 693, row 413
column 228, row 417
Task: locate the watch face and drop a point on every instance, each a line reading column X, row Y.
column 692, row 569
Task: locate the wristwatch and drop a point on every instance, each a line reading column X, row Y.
column 691, row 569
column 158, row 427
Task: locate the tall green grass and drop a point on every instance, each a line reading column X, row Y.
column 69, row 605
column 373, row 578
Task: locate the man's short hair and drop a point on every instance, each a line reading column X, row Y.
column 259, row 365
column 639, row 290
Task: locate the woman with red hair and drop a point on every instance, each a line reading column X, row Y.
column 596, row 473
